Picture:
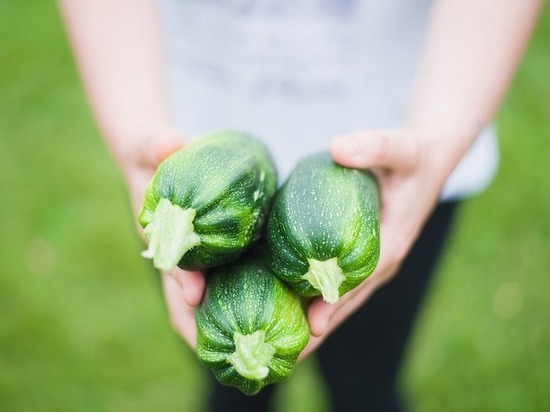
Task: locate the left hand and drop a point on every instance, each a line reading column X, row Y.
column 411, row 171
column 183, row 290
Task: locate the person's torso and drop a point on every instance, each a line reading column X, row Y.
column 293, row 73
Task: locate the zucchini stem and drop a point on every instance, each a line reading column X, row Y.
column 252, row 355
column 325, row 276
column 171, row 234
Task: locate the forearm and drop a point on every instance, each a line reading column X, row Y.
column 471, row 52
column 118, row 48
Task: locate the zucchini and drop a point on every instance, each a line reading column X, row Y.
column 250, row 326
column 323, row 231
column 206, row 202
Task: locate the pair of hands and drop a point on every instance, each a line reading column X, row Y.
column 410, row 173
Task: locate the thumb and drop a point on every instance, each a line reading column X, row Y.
column 154, row 150
column 390, row 150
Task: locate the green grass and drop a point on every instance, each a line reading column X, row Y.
column 483, row 338
column 82, row 324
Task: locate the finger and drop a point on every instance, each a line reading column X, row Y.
column 192, row 284
column 166, row 147
column 318, row 314
column 155, row 149
column 375, row 149
column 182, row 316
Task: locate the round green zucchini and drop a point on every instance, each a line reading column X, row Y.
column 206, row 202
column 250, row 326
column 323, row 230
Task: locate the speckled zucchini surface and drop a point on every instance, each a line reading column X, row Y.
column 323, row 229
column 250, row 326
column 206, row 202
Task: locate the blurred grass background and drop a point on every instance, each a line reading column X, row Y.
column 82, row 323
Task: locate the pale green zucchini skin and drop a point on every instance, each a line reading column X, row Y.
column 324, row 212
column 227, row 179
column 245, row 298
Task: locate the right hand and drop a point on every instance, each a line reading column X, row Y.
column 411, row 167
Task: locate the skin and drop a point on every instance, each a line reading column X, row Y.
column 471, row 52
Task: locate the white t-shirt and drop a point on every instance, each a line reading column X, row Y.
column 296, row 73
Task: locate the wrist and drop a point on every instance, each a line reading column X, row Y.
column 444, row 144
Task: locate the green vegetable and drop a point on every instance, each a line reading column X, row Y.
column 323, row 230
column 206, row 202
column 250, row 326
